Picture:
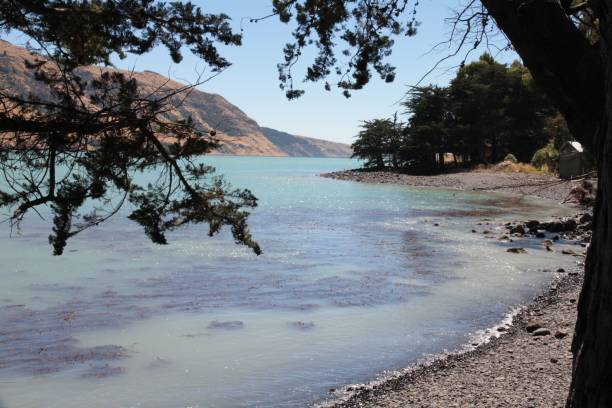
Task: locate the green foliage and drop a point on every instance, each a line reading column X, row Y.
column 378, row 143
column 363, row 30
column 497, row 110
column 510, row 158
column 546, row 158
column 489, row 112
column 102, row 131
column 555, row 128
column 427, row 134
column 88, row 32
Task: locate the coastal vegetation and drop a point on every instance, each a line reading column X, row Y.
column 490, row 112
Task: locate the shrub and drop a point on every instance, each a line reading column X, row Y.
column 547, row 158
column 510, row 158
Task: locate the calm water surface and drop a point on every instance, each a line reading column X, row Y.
column 355, row 279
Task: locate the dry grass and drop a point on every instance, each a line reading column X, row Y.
column 510, row 167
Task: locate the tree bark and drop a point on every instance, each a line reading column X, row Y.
column 578, row 78
column 380, row 162
column 592, row 344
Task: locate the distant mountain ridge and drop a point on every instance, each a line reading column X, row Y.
column 301, row 146
column 236, row 131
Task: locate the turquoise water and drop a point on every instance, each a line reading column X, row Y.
column 355, row 279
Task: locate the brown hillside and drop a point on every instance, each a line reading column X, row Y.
column 238, row 133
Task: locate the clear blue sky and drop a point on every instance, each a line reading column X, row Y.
column 251, row 82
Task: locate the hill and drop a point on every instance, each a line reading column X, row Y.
column 237, row 132
column 301, row 146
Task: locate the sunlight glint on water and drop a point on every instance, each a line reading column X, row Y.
column 354, row 280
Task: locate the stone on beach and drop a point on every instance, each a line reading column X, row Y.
column 518, row 229
column 533, row 326
column 565, row 225
column 541, row 332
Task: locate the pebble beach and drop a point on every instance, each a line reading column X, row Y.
column 537, row 185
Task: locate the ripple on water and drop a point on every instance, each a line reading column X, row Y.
column 343, row 268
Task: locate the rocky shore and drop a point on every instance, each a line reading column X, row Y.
column 526, row 363
column 537, row 185
column 529, row 365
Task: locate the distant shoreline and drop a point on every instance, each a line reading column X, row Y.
column 535, row 185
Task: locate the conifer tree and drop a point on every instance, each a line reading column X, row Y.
column 82, row 144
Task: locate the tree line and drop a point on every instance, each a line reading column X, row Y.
column 488, row 112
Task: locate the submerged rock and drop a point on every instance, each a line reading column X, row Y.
column 229, row 325
column 158, row 363
column 302, row 325
column 103, row 371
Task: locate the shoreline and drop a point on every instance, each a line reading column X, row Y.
column 536, row 185
column 512, row 367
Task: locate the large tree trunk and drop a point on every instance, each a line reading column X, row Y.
column 380, row 162
column 578, row 78
column 592, row 344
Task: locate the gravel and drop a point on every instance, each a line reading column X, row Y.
column 538, row 185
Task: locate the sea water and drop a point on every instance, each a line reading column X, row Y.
column 355, row 279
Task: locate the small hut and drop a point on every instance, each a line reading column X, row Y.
column 572, row 160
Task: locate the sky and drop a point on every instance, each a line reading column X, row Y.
column 251, row 83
